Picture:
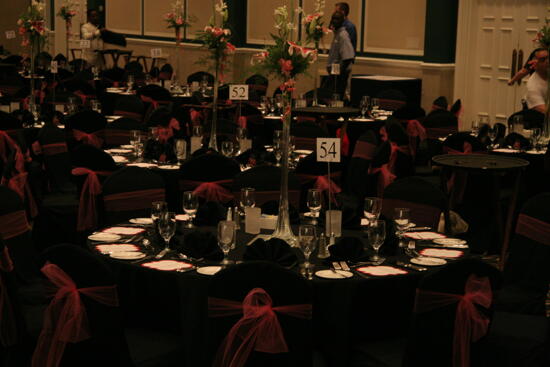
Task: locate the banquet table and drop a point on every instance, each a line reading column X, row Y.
column 494, row 166
column 345, row 311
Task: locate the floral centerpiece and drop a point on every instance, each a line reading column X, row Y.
column 543, row 39
column 285, row 60
column 177, row 19
column 315, row 31
column 32, row 28
column 215, row 39
column 66, row 12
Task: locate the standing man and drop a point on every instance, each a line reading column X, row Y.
column 343, row 8
column 341, row 53
column 91, row 31
column 537, row 85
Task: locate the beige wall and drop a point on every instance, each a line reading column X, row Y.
column 10, row 12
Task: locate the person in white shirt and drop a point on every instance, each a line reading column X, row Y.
column 341, row 53
column 91, row 31
column 537, row 85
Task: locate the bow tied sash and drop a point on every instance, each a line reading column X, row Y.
column 257, row 330
column 89, row 138
column 470, row 324
column 323, row 183
column 65, row 319
column 211, row 191
column 87, row 213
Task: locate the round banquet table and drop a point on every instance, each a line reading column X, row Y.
column 345, row 311
column 495, row 166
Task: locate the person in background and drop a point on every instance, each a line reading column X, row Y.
column 343, row 8
column 341, row 53
column 92, row 31
column 527, row 69
column 537, row 85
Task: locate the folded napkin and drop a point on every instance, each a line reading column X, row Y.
column 129, row 231
column 210, row 213
column 381, row 270
column 274, row 249
column 426, row 236
column 167, row 265
column 199, row 244
column 346, row 248
column 116, row 247
column 435, row 252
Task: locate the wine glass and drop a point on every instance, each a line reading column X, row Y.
column 492, row 135
column 264, row 103
column 272, row 106
column 130, row 82
column 35, row 111
column 375, row 104
column 227, row 148
column 364, row 105
column 242, row 133
column 535, row 137
column 190, row 206
column 135, row 136
column 180, row 149
column 279, row 103
column 226, row 237
column 307, row 242
column 401, row 217
column 95, row 105
column 278, row 150
column 197, row 131
column 167, row 228
column 377, row 235
column 157, row 209
column 248, row 198
column 372, row 209
column 314, row 203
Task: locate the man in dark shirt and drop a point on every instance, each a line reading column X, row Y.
column 350, row 27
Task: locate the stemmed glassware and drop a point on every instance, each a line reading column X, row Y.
column 95, row 105
column 248, row 198
column 279, row 103
column 401, row 219
column 197, row 131
column 167, row 229
column 272, row 106
column 190, row 206
column 130, row 83
column 35, row 111
column 307, row 242
column 535, row 138
column 226, row 238
column 372, row 209
column 227, row 148
column 375, row 105
column 264, row 104
column 314, row 203
column 492, row 135
column 377, row 236
column 474, row 130
column 278, row 150
column 364, row 105
column 157, row 209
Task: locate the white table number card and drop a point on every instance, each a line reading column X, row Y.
column 238, row 92
column 85, row 44
column 196, row 143
column 156, row 53
column 10, row 35
column 328, row 150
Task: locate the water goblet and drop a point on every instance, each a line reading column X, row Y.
column 372, row 208
column 314, row 203
column 130, row 82
column 190, row 206
column 278, row 150
column 227, row 148
column 197, row 131
column 401, row 218
column 535, row 138
column 226, row 238
column 35, row 111
column 307, row 242
column 248, row 198
column 157, row 209
column 377, row 236
column 167, row 229
column 364, row 105
column 375, row 104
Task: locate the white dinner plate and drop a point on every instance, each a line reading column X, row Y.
column 506, row 150
column 451, row 242
column 117, row 247
column 536, row 151
column 141, row 221
column 208, row 270
column 119, row 159
column 127, row 255
column 127, row 146
column 119, row 151
column 182, row 217
column 303, row 151
column 125, row 231
column 428, row 261
column 423, row 236
column 143, row 165
column 359, row 119
column 104, row 237
column 336, row 274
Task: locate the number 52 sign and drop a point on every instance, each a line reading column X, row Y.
column 328, row 150
column 238, row 92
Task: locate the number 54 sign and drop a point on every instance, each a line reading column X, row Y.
column 328, row 150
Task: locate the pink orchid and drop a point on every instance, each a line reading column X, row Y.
column 286, row 66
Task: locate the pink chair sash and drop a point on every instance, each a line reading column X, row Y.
column 386, row 174
column 196, row 116
column 364, row 150
column 13, row 224
column 163, row 134
column 133, row 200
column 345, row 141
column 259, row 328
column 8, row 327
column 211, row 191
column 7, row 144
column 242, row 121
column 470, row 324
column 415, row 131
column 49, row 149
column 150, row 100
column 89, row 138
column 84, row 97
column 65, row 319
column 458, row 180
column 174, row 124
column 87, row 212
column 534, row 229
column 134, row 115
column 20, row 185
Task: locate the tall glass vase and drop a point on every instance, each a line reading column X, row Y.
column 315, row 101
column 177, row 58
column 283, row 229
column 34, row 47
column 546, row 127
column 68, row 26
column 213, row 143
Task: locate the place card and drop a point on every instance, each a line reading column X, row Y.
column 5, row 108
column 334, row 223
column 245, row 144
column 196, row 143
column 252, row 220
column 14, row 106
column 129, row 231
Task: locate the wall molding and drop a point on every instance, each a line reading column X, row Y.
column 395, row 51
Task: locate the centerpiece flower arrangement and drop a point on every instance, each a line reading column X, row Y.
column 215, row 39
column 315, row 30
column 285, row 60
column 66, row 12
column 543, row 39
column 32, row 28
column 177, row 19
